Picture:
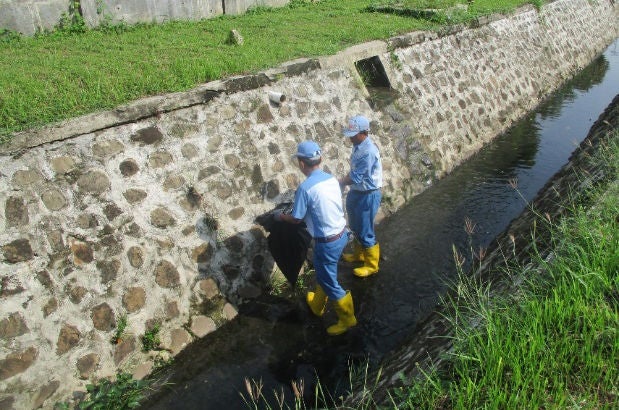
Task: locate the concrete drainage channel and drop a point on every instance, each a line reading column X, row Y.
column 146, row 212
column 275, row 342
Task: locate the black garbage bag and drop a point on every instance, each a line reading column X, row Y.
column 288, row 243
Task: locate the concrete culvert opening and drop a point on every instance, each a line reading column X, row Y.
column 372, row 72
column 376, row 81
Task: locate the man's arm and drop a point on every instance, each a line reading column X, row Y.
column 288, row 218
column 355, row 176
column 346, row 180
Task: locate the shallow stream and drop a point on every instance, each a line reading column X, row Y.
column 275, row 340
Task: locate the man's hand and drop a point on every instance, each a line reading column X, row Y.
column 277, row 215
column 344, row 181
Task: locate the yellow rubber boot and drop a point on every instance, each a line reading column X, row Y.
column 370, row 262
column 317, row 301
column 356, row 255
column 345, row 316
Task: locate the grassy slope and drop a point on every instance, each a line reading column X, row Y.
column 553, row 345
column 62, row 75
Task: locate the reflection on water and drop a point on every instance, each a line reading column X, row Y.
column 276, row 341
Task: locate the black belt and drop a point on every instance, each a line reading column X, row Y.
column 365, row 192
column 331, row 238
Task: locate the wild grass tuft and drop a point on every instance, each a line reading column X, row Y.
column 554, row 341
column 255, row 396
column 120, row 330
column 151, row 339
column 124, row 393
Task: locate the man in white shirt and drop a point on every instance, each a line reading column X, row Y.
column 318, row 202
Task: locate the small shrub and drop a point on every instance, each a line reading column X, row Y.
column 150, row 339
column 9, row 36
column 124, row 393
column 120, row 329
column 72, row 22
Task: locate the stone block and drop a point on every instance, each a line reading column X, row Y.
column 76, row 294
column 63, row 164
column 82, row 252
column 128, row 167
column 202, row 325
column 53, row 199
column 103, row 317
column 202, row 253
column 93, row 182
column 189, row 151
column 86, row 365
column 17, row 251
column 147, row 136
column 166, row 275
column 171, row 310
column 134, row 299
column 50, row 307
column 179, row 338
column 229, row 311
column 105, row 149
column 108, row 269
column 49, row 12
column 161, row 218
column 134, row 196
column 135, row 256
column 68, row 338
column 160, row 159
column 143, row 370
column 45, row 392
column 124, row 348
column 17, row 362
column 15, row 212
column 173, row 182
column 208, row 287
column 25, row 178
column 10, row 285
column 14, row 325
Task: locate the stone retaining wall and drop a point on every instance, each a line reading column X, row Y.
column 31, row 16
column 147, row 211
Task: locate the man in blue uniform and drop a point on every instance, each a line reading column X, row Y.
column 318, row 202
column 365, row 180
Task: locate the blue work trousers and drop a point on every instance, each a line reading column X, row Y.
column 362, row 208
column 326, row 255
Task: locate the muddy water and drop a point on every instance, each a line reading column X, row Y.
column 275, row 340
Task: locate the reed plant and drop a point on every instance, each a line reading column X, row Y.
column 319, row 397
column 551, row 343
column 75, row 70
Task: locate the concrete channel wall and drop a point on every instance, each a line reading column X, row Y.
column 146, row 212
column 31, row 16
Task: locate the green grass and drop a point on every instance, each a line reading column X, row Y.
column 120, row 330
column 151, row 339
column 553, row 345
column 124, row 393
column 67, row 73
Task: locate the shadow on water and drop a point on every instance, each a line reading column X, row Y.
column 275, row 340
